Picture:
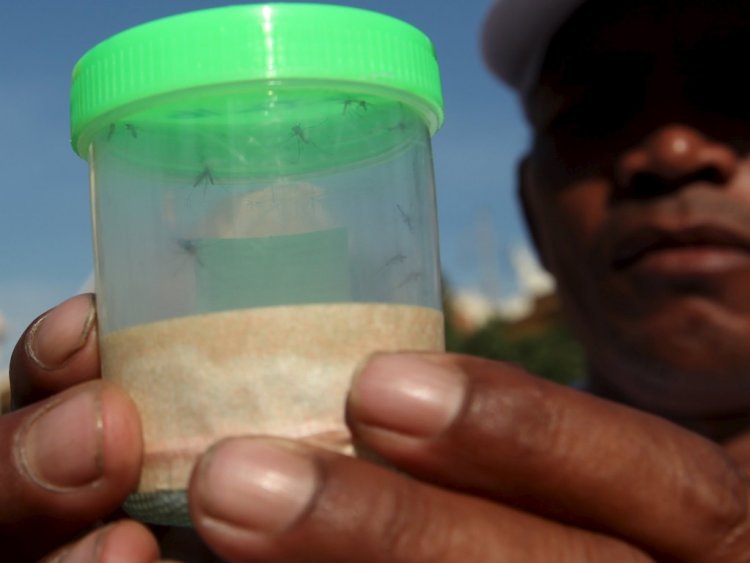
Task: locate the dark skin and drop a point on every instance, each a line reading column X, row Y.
column 494, row 464
column 643, row 170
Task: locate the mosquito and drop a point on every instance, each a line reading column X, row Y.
column 406, row 218
column 300, row 134
column 411, row 278
column 401, row 127
column 358, row 104
column 392, row 261
column 185, row 258
column 190, row 248
column 202, row 180
column 128, row 126
column 205, row 178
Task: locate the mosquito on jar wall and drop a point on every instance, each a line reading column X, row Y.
column 184, row 257
column 301, row 135
column 205, row 178
column 189, row 247
column 398, row 258
column 410, row 279
column 129, row 127
column 361, row 105
column 406, row 218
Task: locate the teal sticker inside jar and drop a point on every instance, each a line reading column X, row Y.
column 275, row 270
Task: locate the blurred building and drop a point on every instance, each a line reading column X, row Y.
column 533, row 307
column 527, row 328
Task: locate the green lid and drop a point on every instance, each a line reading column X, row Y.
column 250, row 43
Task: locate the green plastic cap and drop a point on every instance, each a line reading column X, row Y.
column 246, row 43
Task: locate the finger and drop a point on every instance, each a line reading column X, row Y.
column 267, row 500
column 57, row 351
column 738, row 449
column 122, row 541
column 494, row 430
column 64, row 463
column 183, row 544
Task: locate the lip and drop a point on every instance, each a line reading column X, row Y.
column 698, row 250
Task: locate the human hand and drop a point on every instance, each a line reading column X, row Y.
column 505, row 467
column 512, row 468
column 70, row 451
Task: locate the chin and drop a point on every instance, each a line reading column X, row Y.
column 688, row 356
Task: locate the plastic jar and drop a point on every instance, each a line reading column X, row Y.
column 263, row 219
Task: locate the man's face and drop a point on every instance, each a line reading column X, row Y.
column 638, row 190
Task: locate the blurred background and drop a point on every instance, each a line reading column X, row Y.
column 499, row 302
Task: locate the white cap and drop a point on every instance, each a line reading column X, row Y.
column 516, row 35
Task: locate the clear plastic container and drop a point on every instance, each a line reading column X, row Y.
column 264, row 218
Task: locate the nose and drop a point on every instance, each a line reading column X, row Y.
column 672, row 157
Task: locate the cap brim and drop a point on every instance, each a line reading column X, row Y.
column 516, row 34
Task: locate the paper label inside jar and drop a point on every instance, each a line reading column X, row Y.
column 282, row 371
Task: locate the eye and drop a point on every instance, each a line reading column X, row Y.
column 604, row 95
column 601, row 113
column 714, row 81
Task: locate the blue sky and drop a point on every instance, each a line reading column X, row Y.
column 45, row 234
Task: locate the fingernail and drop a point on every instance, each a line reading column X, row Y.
column 407, row 394
column 262, row 486
column 59, row 334
column 60, row 447
column 88, row 550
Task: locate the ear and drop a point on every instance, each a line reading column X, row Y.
column 526, row 186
